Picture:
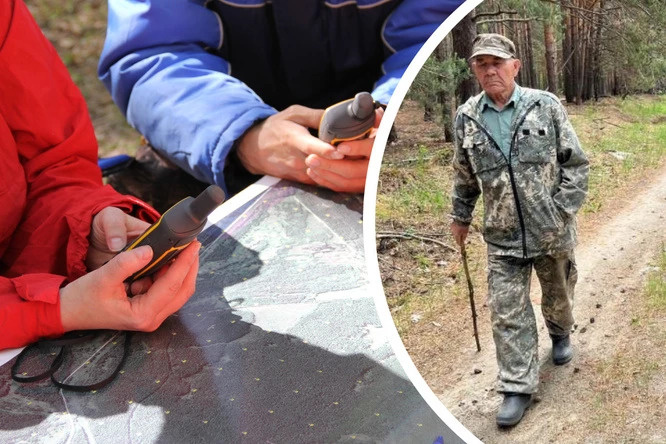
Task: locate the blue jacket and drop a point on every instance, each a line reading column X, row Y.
column 192, row 76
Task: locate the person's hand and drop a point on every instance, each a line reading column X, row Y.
column 279, row 145
column 348, row 174
column 99, row 300
column 109, row 232
column 459, row 232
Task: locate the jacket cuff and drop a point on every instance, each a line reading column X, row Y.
column 80, row 226
column 229, row 138
column 459, row 221
column 30, row 310
column 39, row 287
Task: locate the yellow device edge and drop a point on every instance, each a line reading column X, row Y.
column 145, row 270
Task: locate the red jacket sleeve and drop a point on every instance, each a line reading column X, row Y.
column 29, row 309
column 57, row 149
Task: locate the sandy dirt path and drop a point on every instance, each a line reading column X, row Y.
column 613, row 257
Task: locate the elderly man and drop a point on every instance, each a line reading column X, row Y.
column 516, row 146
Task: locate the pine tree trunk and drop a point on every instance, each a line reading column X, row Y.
column 445, row 100
column 516, row 35
column 599, row 87
column 551, row 71
column 529, row 50
column 588, row 74
column 567, row 53
column 463, row 35
column 578, row 57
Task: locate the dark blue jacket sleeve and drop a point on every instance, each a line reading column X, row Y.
column 405, row 31
column 175, row 93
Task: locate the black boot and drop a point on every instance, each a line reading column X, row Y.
column 512, row 409
column 562, row 351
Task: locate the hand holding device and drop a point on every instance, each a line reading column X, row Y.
column 176, row 229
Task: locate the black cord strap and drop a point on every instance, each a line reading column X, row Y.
column 55, row 365
column 64, row 342
column 103, row 382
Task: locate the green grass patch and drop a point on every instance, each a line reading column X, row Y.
column 406, row 304
column 419, row 187
column 427, row 304
column 655, row 287
column 622, row 139
column 640, row 108
column 424, row 261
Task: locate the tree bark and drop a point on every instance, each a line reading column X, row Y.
column 567, row 52
column 529, row 51
column 463, row 35
column 590, row 65
column 577, row 57
column 551, row 51
column 599, row 89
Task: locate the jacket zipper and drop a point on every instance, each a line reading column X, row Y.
column 514, row 189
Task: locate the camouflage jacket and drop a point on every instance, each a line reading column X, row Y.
column 531, row 198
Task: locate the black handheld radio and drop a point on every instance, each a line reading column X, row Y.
column 348, row 120
column 176, row 229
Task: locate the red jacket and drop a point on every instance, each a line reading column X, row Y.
column 50, row 185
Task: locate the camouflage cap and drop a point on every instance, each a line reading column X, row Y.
column 493, row 44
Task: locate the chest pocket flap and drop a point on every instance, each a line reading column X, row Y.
column 482, row 153
column 536, row 142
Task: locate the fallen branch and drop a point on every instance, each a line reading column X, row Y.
column 396, row 235
column 411, row 160
column 395, row 267
column 608, row 122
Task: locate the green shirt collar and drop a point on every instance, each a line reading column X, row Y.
column 486, row 102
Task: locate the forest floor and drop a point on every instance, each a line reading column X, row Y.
column 614, row 388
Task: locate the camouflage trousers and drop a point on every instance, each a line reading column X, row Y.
column 513, row 321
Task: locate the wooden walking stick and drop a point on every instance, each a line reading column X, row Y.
column 463, row 253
